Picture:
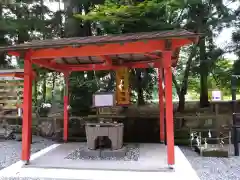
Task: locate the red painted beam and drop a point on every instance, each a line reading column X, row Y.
column 27, row 109
column 177, row 43
column 66, row 103
column 161, row 104
column 100, row 50
column 169, row 107
column 21, row 75
column 107, row 59
column 140, row 46
column 108, row 49
column 153, row 56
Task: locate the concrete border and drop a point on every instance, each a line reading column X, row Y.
column 184, row 171
column 17, row 167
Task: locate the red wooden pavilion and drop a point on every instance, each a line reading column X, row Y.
column 142, row 50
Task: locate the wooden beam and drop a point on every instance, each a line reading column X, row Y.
column 161, row 104
column 65, row 108
column 99, row 50
column 27, row 109
column 49, row 65
column 167, row 55
column 106, row 59
column 102, row 67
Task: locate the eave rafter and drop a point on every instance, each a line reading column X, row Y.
column 106, row 59
column 50, row 64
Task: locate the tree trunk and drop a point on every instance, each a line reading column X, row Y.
column 23, row 35
column 53, row 85
column 90, row 75
column 181, row 103
column 110, row 85
column 87, row 25
column 181, row 96
column 203, row 74
column 140, row 97
column 35, row 92
column 3, row 61
column 61, row 29
column 139, row 88
column 182, row 90
column 62, row 95
column 204, row 91
column 44, row 87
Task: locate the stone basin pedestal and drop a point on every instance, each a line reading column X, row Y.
column 114, row 131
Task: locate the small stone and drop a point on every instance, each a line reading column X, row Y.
column 132, row 154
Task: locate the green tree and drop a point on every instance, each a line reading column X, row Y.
column 207, row 17
column 234, row 47
column 183, row 72
column 115, row 17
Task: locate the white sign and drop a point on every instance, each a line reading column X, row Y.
column 216, row 95
column 20, row 112
column 103, row 100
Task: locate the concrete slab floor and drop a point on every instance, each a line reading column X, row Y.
column 153, row 157
column 51, row 163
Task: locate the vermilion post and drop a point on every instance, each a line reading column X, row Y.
column 161, row 104
column 27, row 108
column 167, row 55
column 66, row 103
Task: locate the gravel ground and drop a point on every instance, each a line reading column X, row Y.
column 209, row 168
column 10, row 151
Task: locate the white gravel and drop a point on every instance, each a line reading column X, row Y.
column 132, row 153
column 10, row 151
column 209, row 168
